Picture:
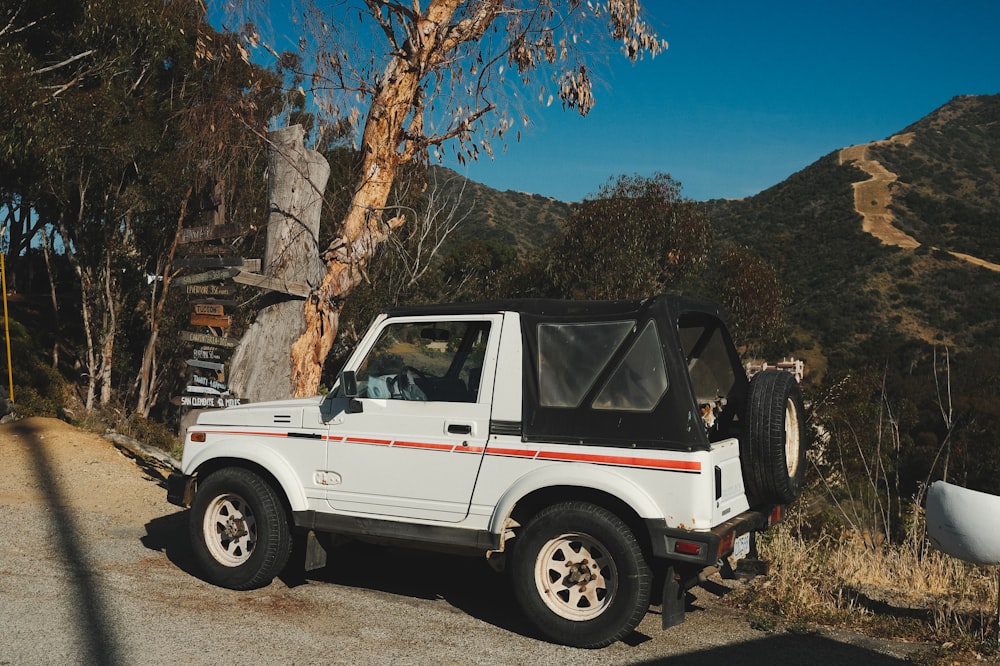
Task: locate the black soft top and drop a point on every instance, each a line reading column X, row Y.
column 674, row 423
column 560, row 310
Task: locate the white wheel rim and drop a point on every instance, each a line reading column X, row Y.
column 791, row 438
column 575, row 577
column 230, row 530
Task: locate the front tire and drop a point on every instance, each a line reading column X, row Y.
column 239, row 530
column 580, row 576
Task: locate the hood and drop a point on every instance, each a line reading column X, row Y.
column 296, row 413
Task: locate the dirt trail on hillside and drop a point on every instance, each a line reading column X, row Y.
column 872, row 198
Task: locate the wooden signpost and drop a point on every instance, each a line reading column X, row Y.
column 203, row 250
column 206, row 252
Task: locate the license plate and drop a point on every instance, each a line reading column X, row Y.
column 741, row 547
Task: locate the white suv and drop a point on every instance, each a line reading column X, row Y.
column 585, row 447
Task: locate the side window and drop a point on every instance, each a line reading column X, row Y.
column 712, row 373
column 708, row 362
column 437, row 361
column 571, row 356
column 640, row 380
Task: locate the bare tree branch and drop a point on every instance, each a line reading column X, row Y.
column 58, row 65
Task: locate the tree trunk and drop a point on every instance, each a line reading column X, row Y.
column 261, row 367
column 149, row 377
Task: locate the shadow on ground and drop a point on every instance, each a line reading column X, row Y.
column 470, row 585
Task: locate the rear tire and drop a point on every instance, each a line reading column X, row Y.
column 774, row 446
column 580, row 576
column 239, row 530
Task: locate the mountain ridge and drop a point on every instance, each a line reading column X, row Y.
column 925, row 271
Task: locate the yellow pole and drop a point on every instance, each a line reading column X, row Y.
column 6, row 324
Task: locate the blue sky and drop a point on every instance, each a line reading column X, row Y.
column 748, row 93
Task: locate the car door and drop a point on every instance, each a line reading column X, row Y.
column 412, row 443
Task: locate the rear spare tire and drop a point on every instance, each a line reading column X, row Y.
column 774, row 444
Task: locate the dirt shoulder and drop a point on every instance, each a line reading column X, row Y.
column 95, row 568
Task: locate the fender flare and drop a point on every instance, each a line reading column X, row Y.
column 262, row 456
column 576, row 475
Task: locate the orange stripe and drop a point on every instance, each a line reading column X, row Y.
column 424, row 445
column 628, row 461
column 516, row 453
column 623, row 461
column 365, row 440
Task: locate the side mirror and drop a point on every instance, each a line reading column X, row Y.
column 349, row 384
column 349, row 388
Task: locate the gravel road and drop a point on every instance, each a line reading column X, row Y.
column 95, row 569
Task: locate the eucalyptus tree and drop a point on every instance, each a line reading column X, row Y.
column 129, row 109
column 634, row 238
column 423, row 78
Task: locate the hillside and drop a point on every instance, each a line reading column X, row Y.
column 884, row 246
column 890, row 242
column 527, row 221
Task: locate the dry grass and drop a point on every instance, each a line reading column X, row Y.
column 893, row 591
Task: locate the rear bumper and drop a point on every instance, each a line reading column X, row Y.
column 709, row 547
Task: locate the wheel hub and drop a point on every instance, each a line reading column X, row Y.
column 579, row 573
column 235, row 527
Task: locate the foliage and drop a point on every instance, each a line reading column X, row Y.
column 634, row 238
column 881, row 589
column 129, row 108
column 39, row 390
column 752, row 292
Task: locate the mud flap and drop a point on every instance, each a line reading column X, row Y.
column 673, row 600
column 315, row 555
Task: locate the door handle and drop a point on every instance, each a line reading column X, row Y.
column 459, row 429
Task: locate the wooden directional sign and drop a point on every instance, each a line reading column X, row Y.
column 212, row 321
column 218, row 262
column 284, row 286
column 208, row 262
column 210, row 289
column 213, row 340
column 205, row 365
column 203, row 250
column 210, row 232
column 214, row 384
column 217, row 309
column 202, row 389
column 208, row 276
column 208, row 401
column 206, row 354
